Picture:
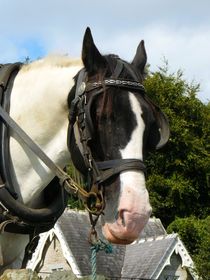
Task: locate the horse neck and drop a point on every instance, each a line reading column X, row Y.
column 39, row 106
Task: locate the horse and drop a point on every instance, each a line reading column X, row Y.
column 95, row 113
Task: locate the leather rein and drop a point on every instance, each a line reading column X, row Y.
column 65, row 180
column 14, row 215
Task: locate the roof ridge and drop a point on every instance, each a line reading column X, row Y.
column 173, row 236
column 155, row 237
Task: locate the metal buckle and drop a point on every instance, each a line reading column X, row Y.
column 81, row 88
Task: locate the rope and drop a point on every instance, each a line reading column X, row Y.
column 93, row 262
column 97, row 246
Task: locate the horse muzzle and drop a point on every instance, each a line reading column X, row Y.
column 126, row 228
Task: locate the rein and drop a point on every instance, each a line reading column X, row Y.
column 65, row 180
column 15, row 216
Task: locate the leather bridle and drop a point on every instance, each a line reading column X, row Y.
column 80, row 115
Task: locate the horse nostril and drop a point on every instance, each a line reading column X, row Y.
column 121, row 217
column 116, row 215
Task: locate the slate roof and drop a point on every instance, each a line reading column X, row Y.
column 153, row 229
column 76, row 227
column 143, row 259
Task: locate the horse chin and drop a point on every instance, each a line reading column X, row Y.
column 119, row 233
column 112, row 238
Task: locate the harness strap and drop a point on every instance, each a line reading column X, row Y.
column 118, row 69
column 31, row 144
column 103, row 165
column 30, row 248
column 132, row 72
column 65, row 180
column 80, row 88
column 111, row 82
column 8, row 73
column 23, row 219
column 113, row 167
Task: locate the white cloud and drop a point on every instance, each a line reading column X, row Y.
column 180, row 31
column 185, row 49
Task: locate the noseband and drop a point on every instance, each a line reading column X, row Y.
column 80, row 109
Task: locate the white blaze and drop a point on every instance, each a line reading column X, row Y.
column 135, row 145
column 134, row 195
column 134, row 208
column 134, row 148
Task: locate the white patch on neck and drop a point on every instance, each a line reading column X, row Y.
column 134, row 148
column 39, row 106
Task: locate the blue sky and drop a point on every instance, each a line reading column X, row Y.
column 177, row 30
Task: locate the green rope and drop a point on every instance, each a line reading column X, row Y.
column 95, row 248
column 93, row 262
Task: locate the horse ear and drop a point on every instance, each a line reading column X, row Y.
column 140, row 58
column 91, row 57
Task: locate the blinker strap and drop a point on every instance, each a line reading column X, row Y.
column 132, row 72
column 118, row 69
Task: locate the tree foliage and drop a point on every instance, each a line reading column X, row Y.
column 195, row 234
column 178, row 174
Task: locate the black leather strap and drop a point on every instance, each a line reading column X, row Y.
column 14, row 216
column 111, row 168
column 8, row 73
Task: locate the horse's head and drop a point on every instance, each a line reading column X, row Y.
column 115, row 124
